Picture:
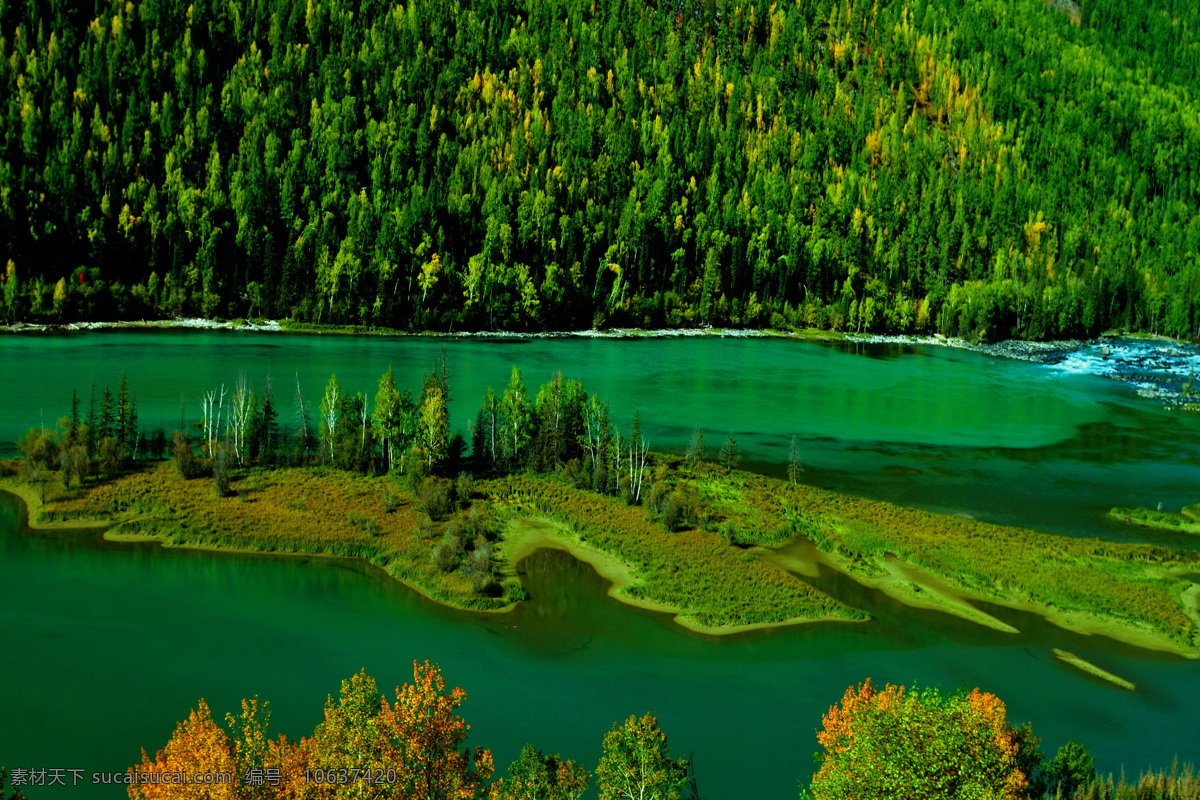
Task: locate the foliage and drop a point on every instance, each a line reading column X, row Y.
column 416, row 743
column 1073, row 766
column 637, row 765
column 536, row 776
column 183, row 456
column 916, row 745
column 419, row 737
column 1175, row 784
column 199, row 745
column 8, row 792
column 986, row 169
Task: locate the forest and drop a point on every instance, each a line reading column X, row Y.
column 988, row 169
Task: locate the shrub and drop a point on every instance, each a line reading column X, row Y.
column 425, row 528
column 447, row 554
column 514, row 592
column 220, row 474
column 363, row 522
column 435, row 497
column 184, row 457
column 478, row 566
column 464, row 488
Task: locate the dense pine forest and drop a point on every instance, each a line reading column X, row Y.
column 990, row 169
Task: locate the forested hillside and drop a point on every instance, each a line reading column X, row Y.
column 987, row 168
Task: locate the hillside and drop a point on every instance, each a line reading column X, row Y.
column 991, row 169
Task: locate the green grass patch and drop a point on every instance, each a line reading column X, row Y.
column 323, row 512
column 699, row 573
column 1187, row 521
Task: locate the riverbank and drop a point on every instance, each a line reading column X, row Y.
column 328, row 512
column 740, row 565
column 526, row 535
column 1186, row 521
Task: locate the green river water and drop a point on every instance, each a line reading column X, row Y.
column 107, row 646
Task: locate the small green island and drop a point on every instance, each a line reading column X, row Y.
column 1186, row 521
column 722, row 549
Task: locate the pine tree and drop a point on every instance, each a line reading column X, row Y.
column 696, row 449
column 731, row 453
column 794, row 465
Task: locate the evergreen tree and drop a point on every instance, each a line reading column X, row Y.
column 731, row 453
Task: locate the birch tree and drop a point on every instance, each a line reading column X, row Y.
column 330, row 411
column 433, row 427
column 518, row 418
column 488, row 425
column 241, row 409
column 638, row 450
column 305, row 441
column 637, row 764
column 386, row 416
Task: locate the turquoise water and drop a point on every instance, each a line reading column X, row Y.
column 1004, row 440
column 107, row 646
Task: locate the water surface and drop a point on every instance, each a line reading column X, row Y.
column 107, row 646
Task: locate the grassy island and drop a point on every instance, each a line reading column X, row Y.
column 721, row 549
column 726, row 569
column 1186, row 521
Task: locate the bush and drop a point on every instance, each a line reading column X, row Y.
column 464, row 488
column 364, row 522
column 220, row 474
column 478, row 567
column 425, row 528
column 891, row 743
column 448, row 554
column 184, row 457
column 514, row 592
column 416, row 470
column 390, row 501
column 436, row 497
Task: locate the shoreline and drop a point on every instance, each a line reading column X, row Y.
column 906, row 583
column 537, row 533
column 1010, row 348
column 918, row 588
column 514, row 550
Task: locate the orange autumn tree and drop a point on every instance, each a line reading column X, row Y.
column 413, row 744
column 198, row 747
column 921, row 746
column 411, row 749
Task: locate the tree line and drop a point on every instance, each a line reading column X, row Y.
column 923, row 745
column 991, row 168
column 561, row 429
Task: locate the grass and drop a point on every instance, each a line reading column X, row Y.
column 1187, row 521
column 1130, row 585
column 710, row 573
column 315, row 511
column 711, row 583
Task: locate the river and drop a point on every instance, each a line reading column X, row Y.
column 109, row 645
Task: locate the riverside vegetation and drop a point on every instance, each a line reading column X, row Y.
column 703, row 540
column 991, row 168
column 1186, row 521
column 888, row 743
